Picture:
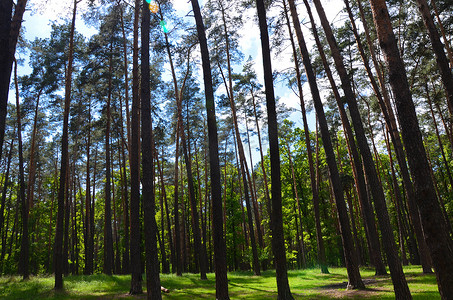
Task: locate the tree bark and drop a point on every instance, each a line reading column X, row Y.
column 396, row 271
column 355, row 280
column 149, row 206
column 10, row 28
column 216, row 198
column 25, row 239
column 64, row 162
column 278, row 242
column 433, row 222
column 136, row 263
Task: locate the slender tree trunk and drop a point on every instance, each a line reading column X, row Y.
column 315, row 193
column 278, row 242
column 88, row 226
column 108, row 235
column 434, row 225
column 359, row 178
column 136, row 264
column 396, row 271
column 216, row 198
column 355, row 280
column 386, row 108
column 64, row 162
column 149, row 206
column 25, row 239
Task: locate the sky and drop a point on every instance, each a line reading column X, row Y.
column 41, row 13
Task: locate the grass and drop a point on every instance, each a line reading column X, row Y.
column 307, row 284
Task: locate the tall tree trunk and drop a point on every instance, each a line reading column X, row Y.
column 64, row 161
column 386, row 108
column 434, row 225
column 136, row 264
column 244, row 168
column 216, row 197
column 444, row 36
column 25, row 239
column 126, row 212
column 125, row 199
column 108, row 235
column 355, row 280
column 396, row 271
column 149, row 206
column 356, row 163
column 278, row 242
column 319, row 240
column 88, row 226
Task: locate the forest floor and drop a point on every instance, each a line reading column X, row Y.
column 306, row 284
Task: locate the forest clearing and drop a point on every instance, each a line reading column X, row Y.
column 225, row 149
column 306, row 284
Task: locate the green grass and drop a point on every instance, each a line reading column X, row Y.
column 306, row 284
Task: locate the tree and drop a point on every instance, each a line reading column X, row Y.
column 433, row 222
column 355, row 280
column 278, row 243
column 64, row 161
column 136, row 264
column 10, row 28
column 216, row 197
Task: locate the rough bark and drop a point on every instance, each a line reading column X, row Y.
column 149, row 206
column 433, row 222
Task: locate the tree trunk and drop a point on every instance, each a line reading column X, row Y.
column 136, row 263
column 64, row 162
column 278, row 242
column 25, row 239
column 10, row 28
column 314, row 188
column 216, row 198
column 386, row 108
column 396, row 271
column 108, row 235
column 149, row 206
column 434, row 225
column 355, row 281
